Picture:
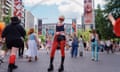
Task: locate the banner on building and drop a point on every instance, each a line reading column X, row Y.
column 73, row 25
column 17, row 8
column 39, row 27
column 88, row 12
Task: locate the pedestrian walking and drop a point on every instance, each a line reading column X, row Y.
column 48, row 43
column 70, row 43
column 74, row 50
column 21, row 52
column 81, row 46
column 33, row 44
column 94, row 39
column 108, row 45
column 13, row 34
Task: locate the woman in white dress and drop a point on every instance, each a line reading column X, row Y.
column 81, row 46
column 32, row 45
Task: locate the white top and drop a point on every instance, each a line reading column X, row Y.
column 96, row 36
column 70, row 43
column 102, row 42
column 108, row 42
column 81, row 40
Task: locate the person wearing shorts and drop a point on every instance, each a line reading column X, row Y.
column 13, row 34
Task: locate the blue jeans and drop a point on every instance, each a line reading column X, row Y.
column 94, row 48
column 74, row 51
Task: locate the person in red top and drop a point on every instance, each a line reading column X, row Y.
column 59, row 39
column 116, row 24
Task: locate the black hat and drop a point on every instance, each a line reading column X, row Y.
column 15, row 20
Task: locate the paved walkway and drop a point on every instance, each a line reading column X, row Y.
column 106, row 63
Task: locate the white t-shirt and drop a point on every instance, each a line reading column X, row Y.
column 70, row 43
column 108, row 42
column 102, row 43
column 81, row 41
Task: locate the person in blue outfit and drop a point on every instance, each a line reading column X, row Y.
column 75, row 45
column 94, row 40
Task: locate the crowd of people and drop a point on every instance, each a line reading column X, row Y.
column 15, row 39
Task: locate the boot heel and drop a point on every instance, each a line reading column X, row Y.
column 51, row 68
column 61, row 69
column 10, row 68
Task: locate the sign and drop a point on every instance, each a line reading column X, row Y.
column 17, row 8
column 88, row 12
column 73, row 25
column 39, row 27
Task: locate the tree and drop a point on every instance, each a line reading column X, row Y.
column 85, row 34
column 113, row 7
column 103, row 27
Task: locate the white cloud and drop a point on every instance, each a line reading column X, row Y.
column 72, row 9
column 101, row 2
column 51, row 2
column 31, row 2
column 69, row 8
column 44, row 2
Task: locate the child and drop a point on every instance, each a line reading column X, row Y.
column 48, row 44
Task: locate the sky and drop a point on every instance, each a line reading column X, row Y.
column 50, row 10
